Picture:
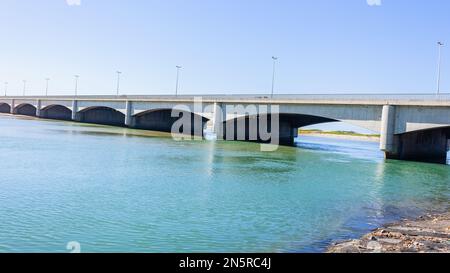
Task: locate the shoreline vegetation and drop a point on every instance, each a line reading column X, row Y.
column 340, row 134
column 427, row 234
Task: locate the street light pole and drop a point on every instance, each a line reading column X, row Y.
column 118, row 82
column 46, row 86
column 178, row 77
column 440, row 44
column 24, row 87
column 6, row 87
column 76, row 85
column 273, row 74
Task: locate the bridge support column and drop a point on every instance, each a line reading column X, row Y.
column 287, row 133
column 218, row 119
column 13, row 106
column 423, row 146
column 75, row 116
column 129, row 114
column 38, row 108
column 388, row 141
column 429, row 146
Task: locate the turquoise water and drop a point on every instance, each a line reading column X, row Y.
column 119, row 190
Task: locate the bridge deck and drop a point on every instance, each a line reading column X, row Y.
column 361, row 99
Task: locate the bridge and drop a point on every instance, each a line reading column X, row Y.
column 412, row 127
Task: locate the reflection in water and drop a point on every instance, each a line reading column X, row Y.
column 114, row 189
column 358, row 149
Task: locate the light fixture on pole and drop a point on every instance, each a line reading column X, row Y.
column 118, row 82
column 178, row 77
column 76, row 84
column 273, row 75
column 46, row 86
column 440, row 45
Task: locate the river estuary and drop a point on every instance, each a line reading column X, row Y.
column 119, row 190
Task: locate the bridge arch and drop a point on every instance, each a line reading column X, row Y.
column 5, row 108
column 247, row 128
column 56, row 111
column 25, row 109
column 101, row 115
column 365, row 116
column 161, row 120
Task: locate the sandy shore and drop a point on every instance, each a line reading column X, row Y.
column 347, row 137
column 428, row 234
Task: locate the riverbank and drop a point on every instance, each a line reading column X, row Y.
column 428, row 234
column 340, row 135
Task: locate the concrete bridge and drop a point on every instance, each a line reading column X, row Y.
column 412, row 127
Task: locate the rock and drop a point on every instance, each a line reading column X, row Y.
column 346, row 247
column 390, row 241
column 427, row 234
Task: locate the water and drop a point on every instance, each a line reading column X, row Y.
column 119, row 190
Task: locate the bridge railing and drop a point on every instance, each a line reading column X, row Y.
column 308, row 97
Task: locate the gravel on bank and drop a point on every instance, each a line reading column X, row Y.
column 428, row 234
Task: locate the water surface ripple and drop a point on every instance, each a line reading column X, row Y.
column 119, row 190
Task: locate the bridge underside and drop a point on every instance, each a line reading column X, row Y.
column 423, row 146
column 249, row 128
column 26, row 110
column 102, row 115
column 56, row 112
column 5, row 108
column 162, row 121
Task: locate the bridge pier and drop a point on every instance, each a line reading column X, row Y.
column 13, row 105
column 217, row 120
column 75, row 115
column 388, row 142
column 428, row 146
column 38, row 108
column 288, row 133
column 423, row 146
column 129, row 114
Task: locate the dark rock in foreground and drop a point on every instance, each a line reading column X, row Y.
column 428, row 234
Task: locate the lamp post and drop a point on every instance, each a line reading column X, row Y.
column 76, row 84
column 440, row 45
column 46, row 86
column 118, row 82
column 6, row 87
column 178, row 77
column 273, row 74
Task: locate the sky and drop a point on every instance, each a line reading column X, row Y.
column 224, row 46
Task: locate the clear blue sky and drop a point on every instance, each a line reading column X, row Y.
column 224, row 46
